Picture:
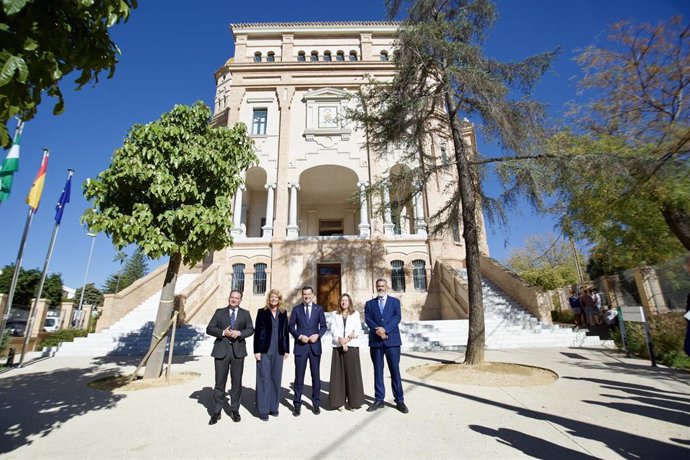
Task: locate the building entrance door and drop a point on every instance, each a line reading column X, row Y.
column 328, row 286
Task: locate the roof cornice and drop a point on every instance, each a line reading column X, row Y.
column 315, row 27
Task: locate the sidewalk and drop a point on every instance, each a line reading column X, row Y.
column 603, row 406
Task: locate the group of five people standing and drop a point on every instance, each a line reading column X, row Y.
column 232, row 325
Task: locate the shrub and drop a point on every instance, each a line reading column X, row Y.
column 562, row 316
column 63, row 335
column 668, row 334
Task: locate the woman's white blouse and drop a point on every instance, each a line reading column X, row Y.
column 354, row 324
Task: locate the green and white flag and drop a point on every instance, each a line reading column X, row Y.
column 11, row 164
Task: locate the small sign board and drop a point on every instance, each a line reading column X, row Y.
column 633, row 314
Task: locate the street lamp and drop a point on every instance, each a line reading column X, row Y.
column 86, row 275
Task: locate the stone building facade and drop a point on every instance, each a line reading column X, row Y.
column 302, row 217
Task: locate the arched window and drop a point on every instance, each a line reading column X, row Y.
column 260, row 278
column 238, row 277
column 257, row 56
column 384, row 55
column 353, row 55
column 419, row 274
column 314, row 56
column 271, row 57
column 398, row 276
column 340, row 56
column 327, row 56
column 301, row 57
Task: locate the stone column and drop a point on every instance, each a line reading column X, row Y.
column 286, row 48
column 66, row 314
column 650, row 290
column 366, row 46
column 364, row 227
column 420, row 224
column 292, row 228
column 268, row 228
column 39, row 316
column 387, row 220
column 237, row 213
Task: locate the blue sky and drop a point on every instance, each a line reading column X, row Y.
column 169, row 53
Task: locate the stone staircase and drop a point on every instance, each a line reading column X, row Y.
column 508, row 325
column 131, row 335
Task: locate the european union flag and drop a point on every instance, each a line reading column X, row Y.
column 64, row 198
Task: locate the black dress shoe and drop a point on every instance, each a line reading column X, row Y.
column 263, row 417
column 402, row 408
column 316, row 410
column 375, row 406
column 235, row 416
column 273, row 414
column 297, row 411
column 214, row 418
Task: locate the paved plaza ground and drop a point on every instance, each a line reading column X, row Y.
column 603, row 405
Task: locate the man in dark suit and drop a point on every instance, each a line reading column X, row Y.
column 307, row 325
column 382, row 315
column 230, row 326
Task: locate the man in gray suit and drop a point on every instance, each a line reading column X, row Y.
column 230, row 326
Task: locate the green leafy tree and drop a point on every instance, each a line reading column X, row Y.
column 27, row 286
column 136, row 267
column 545, row 261
column 92, row 296
column 622, row 179
column 42, row 41
column 168, row 190
column 442, row 78
column 52, row 289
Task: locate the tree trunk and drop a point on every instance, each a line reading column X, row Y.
column 678, row 220
column 476, row 339
column 154, row 366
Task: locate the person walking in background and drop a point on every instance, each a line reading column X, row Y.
column 588, row 306
column 346, row 370
column 230, row 326
column 271, row 348
column 575, row 307
column 307, row 325
column 596, row 299
column 382, row 315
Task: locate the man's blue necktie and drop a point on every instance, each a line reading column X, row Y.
column 232, row 319
column 381, row 305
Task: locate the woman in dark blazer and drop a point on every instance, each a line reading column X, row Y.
column 271, row 347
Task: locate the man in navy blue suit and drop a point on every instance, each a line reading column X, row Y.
column 307, row 325
column 382, row 315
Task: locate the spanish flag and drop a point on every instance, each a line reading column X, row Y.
column 34, row 197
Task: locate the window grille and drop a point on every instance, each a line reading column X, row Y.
column 419, row 275
column 398, row 276
column 260, row 278
column 238, row 277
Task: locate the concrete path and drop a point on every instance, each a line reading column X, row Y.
column 603, row 406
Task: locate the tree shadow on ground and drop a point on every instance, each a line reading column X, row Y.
column 653, row 402
column 36, row 404
column 627, row 445
column 135, row 344
column 431, row 358
column 133, row 361
column 643, row 369
column 530, row 445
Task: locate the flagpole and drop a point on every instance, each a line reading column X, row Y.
column 34, row 307
column 33, row 200
column 17, row 267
